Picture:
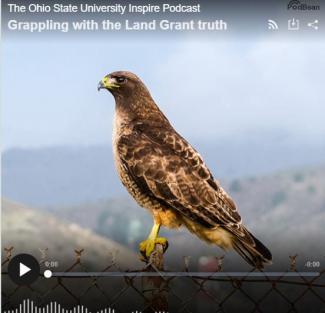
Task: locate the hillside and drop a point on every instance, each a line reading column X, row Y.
column 29, row 230
column 65, row 176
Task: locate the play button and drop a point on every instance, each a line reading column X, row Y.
column 23, row 269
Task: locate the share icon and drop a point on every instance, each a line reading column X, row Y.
column 313, row 24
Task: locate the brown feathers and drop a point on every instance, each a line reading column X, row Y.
column 164, row 173
column 173, row 178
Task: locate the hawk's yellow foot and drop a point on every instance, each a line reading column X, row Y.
column 147, row 246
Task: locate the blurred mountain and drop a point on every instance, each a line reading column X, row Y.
column 48, row 177
column 29, row 230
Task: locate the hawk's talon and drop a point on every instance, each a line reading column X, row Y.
column 148, row 246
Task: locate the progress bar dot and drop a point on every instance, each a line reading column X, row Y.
column 48, row 274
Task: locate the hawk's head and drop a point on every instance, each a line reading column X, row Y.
column 132, row 98
column 121, row 83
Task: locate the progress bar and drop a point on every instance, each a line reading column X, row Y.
column 184, row 274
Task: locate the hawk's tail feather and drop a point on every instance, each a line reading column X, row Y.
column 255, row 254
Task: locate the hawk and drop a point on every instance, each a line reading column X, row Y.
column 167, row 176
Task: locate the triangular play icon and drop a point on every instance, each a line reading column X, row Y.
column 23, row 269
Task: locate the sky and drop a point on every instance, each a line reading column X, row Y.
column 209, row 89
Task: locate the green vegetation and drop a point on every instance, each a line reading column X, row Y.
column 311, row 189
column 278, row 198
column 235, row 186
column 110, row 226
column 298, row 177
column 120, row 228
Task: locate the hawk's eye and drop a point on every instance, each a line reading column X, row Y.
column 120, row 79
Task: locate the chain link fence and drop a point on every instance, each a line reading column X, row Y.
column 152, row 289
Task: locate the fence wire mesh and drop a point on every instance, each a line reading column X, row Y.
column 157, row 292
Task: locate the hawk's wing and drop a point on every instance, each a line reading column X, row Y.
column 167, row 167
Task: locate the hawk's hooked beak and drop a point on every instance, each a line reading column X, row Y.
column 107, row 83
